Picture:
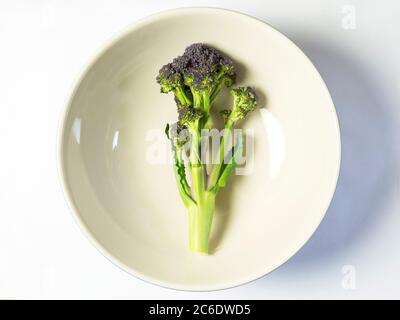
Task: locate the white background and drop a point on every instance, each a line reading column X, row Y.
column 45, row 44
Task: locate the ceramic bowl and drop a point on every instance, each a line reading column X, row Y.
column 118, row 179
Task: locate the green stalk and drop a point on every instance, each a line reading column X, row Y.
column 200, row 213
column 200, row 222
column 216, row 90
column 206, row 121
column 197, row 98
column 206, row 102
column 182, row 96
column 216, row 171
column 196, row 167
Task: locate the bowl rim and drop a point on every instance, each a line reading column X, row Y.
column 62, row 129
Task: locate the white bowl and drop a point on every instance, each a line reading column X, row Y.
column 128, row 205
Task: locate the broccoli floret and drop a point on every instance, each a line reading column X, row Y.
column 171, row 80
column 188, row 116
column 178, row 134
column 244, row 101
column 197, row 76
column 205, row 70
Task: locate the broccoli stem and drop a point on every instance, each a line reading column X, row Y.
column 200, row 213
column 182, row 96
column 206, row 102
column 197, row 98
column 216, row 170
column 215, row 91
column 200, row 221
column 197, row 168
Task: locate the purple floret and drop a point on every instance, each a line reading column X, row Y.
column 199, row 61
column 202, row 57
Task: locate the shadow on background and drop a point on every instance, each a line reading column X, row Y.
column 366, row 176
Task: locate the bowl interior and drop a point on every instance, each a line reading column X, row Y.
column 117, row 172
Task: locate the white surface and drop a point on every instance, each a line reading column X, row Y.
column 127, row 202
column 44, row 46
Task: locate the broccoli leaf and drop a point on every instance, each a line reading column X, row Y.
column 179, row 171
column 183, row 187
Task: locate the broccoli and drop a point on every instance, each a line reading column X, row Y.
column 195, row 78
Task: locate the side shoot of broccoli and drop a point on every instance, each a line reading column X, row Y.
column 195, row 78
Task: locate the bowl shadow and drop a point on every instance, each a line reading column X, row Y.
column 223, row 215
column 367, row 162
